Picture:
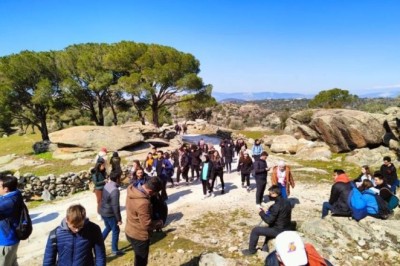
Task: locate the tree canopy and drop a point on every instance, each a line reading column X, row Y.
column 93, row 76
column 333, row 98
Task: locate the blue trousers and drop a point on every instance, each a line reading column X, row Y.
column 325, row 209
column 283, row 191
column 111, row 224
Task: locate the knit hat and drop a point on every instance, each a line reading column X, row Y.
column 291, row 249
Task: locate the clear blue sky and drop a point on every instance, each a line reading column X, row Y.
column 302, row 46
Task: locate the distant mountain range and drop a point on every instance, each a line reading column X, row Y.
column 252, row 96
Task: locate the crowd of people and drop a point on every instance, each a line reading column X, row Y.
column 78, row 241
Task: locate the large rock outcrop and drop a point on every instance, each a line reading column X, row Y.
column 343, row 130
column 95, row 137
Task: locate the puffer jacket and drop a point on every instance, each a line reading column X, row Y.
column 279, row 215
column 75, row 249
column 8, row 217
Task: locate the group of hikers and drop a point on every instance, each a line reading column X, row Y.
column 78, row 241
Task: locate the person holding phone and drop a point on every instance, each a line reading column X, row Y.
column 278, row 218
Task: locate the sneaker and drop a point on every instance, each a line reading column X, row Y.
column 258, row 206
column 248, row 252
column 211, row 194
column 99, row 217
column 204, row 197
column 243, row 186
column 118, row 253
column 248, row 188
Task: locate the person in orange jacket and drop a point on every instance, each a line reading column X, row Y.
column 282, row 177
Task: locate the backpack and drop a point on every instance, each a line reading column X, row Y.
column 24, row 226
column 383, row 208
column 357, row 205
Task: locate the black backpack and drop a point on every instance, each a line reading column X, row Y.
column 24, row 223
column 383, row 209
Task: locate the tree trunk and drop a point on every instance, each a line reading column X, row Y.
column 43, row 129
column 154, row 109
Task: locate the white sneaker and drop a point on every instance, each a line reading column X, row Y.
column 258, row 206
column 204, row 197
column 248, row 189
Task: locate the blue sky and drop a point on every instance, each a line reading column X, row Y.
column 243, row 46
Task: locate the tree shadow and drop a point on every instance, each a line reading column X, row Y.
column 173, row 217
column 175, row 196
column 46, row 218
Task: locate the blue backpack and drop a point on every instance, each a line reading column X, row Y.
column 357, row 205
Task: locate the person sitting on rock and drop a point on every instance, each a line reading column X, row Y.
column 388, row 171
column 368, row 196
column 282, row 177
column 365, row 174
column 340, row 191
column 384, row 191
column 291, row 250
column 278, row 217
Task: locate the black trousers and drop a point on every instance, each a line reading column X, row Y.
column 261, row 184
column 246, row 177
column 184, row 174
column 256, row 232
column 195, row 168
column 141, row 249
column 221, row 178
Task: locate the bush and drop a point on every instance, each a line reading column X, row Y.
column 304, row 117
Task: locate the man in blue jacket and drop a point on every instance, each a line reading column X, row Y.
column 10, row 207
column 75, row 241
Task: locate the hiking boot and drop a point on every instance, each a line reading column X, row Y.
column 248, row 252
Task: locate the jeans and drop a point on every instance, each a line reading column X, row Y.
column 256, row 232
column 141, row 249
column 111, row 224
column 283, row 191
column 325, row 209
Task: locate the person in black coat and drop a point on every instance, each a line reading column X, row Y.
column 260, row 172
column 183, row 165
column 340, row 191
column 228, row 153
column 218, row 170
column 245, row 166
column 388, row 171
column 278, row 217
column 195, row 161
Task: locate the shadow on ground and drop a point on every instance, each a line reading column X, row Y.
column 175, row 196
column 46, row 218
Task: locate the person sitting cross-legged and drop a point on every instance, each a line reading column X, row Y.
column 278, row 217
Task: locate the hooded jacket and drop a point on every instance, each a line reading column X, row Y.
column 75, row 249
column 138, row 214
column 339, row 195
column 8, row 217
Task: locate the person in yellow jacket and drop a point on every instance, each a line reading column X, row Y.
column 282, row 177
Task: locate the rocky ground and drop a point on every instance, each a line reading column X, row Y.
column 221, row 225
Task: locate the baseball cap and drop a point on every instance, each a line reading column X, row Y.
column 291, row 249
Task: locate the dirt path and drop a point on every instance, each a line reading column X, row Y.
column 185, row 203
